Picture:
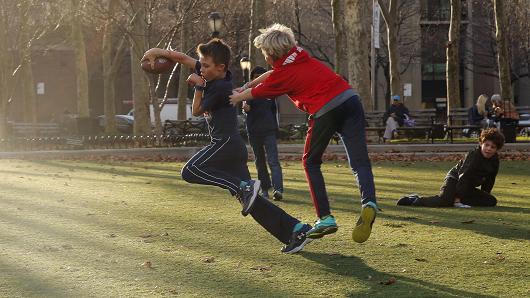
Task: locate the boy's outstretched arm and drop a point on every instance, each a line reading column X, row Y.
column 258, row 80
column 174, row 56
column 238, row 97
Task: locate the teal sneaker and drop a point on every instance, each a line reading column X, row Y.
column 323, row 226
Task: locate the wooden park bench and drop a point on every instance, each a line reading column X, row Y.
column 460, row 122
column 425, row 126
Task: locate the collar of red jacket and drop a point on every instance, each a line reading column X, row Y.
column 295, row 55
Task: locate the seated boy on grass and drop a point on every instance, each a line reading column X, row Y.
column 478, row 168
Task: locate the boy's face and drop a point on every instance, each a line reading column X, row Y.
column 209, row 70
column 488, row 149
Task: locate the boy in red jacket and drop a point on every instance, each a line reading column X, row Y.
column 333, row 107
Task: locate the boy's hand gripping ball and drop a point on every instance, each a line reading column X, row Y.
column 160, row 65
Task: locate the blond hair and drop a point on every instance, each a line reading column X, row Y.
column 481, row 104
column 275, row 40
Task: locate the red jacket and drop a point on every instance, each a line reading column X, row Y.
column 309, row 83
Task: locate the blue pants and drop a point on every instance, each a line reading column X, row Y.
column 348, row 121
column 267, row 146
column 223, row 163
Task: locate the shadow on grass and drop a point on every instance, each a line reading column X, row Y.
column 487, row 222
column 354, row 267
column 204, row 279
column 472, row 220
column 29, row 284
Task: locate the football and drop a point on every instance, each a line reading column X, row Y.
column 162, row 65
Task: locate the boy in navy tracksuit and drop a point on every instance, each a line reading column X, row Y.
column 478, row 168
column 262, row 128
column 333, row 107
column 223, row 162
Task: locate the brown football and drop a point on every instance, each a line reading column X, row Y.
column 162, row 65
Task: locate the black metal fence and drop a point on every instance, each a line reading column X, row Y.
column 102, row 142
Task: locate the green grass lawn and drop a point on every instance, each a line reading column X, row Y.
column 131, row 229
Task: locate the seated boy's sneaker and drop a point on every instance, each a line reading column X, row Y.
column 323, row 226
column 277, row 195
column 363, row 228
column 406, row 201
column 298, row 240
column 247, row 195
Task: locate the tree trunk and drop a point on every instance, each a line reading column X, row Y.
column 337, row 15
column 78, row 43
column 358, row 41
column 184, row 71
column 257, row 21
column 453, row 62
column 390, row 14
column 142, row 122
column 108, row 73
column 503, row 58
column 28, row 91
column 5, row 68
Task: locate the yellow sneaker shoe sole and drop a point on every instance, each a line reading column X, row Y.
column 363, row 228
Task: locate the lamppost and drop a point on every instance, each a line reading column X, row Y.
column 215, row 22
column 245, row 66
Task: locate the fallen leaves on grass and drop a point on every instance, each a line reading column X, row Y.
column 261, row 268
column 208, row 260
column 388, row 282
column 468, row 221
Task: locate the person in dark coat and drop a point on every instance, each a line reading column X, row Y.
column 479, row 168
column 262, row 128
column 394, row 117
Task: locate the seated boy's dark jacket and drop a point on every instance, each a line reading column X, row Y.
column 221, row 116
column 261, row 118
column 400, row 110
column 475, row 170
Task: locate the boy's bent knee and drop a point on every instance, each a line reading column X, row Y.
column 491, row 202
column 186, row 174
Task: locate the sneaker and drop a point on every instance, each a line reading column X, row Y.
column 265, row 194
column 460, row 205
column 277, row 195
column 247, row 195
column 407, row 200
column 363, row 228
column 298, row 240
column 323, row 226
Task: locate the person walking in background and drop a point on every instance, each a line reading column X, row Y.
column 395, row 117
column 262, row 128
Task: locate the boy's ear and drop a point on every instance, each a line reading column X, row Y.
column 221, row 66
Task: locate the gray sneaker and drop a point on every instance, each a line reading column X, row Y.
column 247, row 195
column 277, row 195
